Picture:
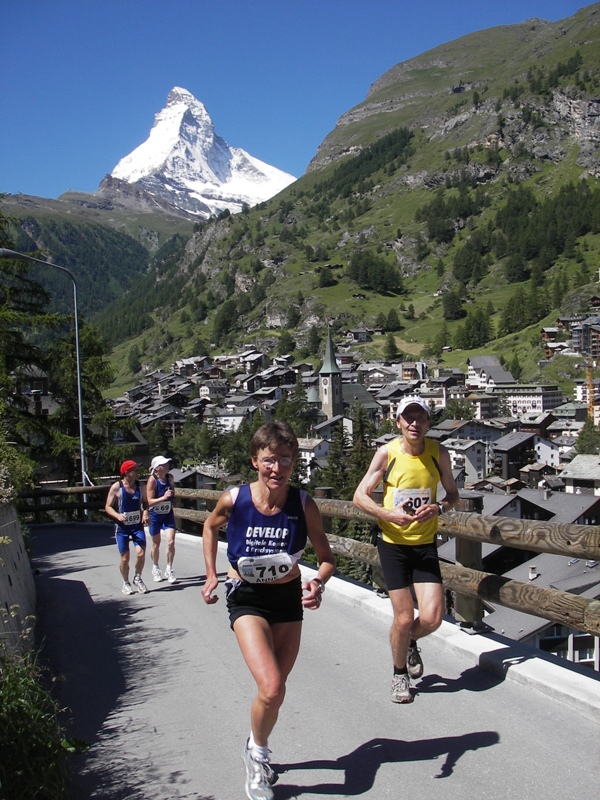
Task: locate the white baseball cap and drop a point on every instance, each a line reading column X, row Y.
column 412, row 400
column 158, row 461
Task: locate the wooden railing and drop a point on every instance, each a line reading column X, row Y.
column 470, row 529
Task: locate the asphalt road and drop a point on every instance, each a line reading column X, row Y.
column 156, row 685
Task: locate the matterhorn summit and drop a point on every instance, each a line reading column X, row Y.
column 185, row 165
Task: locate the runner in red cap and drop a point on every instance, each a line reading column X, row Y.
column 126, row 504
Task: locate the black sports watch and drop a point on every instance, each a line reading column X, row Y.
column 320, row 583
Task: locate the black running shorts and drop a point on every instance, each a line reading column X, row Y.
column 406, row 564
column 275, row 602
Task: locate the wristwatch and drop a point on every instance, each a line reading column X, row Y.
column 441, row 508
column 320, row 583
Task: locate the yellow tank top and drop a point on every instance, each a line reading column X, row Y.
column 412, row 481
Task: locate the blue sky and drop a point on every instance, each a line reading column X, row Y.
column 83, row 79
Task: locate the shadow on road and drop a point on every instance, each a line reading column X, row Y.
column 360, row 767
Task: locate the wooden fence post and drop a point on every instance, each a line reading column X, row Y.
column 468, row 610
column 325, row 493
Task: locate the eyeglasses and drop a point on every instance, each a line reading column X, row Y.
column 415, row 416
column 284, row 461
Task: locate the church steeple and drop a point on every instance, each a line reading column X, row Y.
column 330, row 382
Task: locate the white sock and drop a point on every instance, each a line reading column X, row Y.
column 259, row 752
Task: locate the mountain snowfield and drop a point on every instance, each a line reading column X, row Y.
column 187, row 165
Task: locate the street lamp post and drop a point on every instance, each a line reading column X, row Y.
column 4, row 253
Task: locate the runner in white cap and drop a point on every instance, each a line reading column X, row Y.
column 410, row 466
column 160, row 491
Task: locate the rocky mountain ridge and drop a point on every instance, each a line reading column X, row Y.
column 453, row 133
column 186, row 165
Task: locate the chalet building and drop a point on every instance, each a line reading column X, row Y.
column 359, row 336
column 485, row 405
column 32, row 384
column 586, row 336
column 486, row 372
column 283, row 361
column 354, row 394
column 485, row 430
column 252, row 361
column 537, row 423
column 567, row 323
column 413, row 371
column 170, row 417
column 534, row 475
column 278, row 376
column 549, row 334
column 327, row 428
column 244, row 401
column 555, row 572
column 227, row 419
column 186, row 367
column 468, row 455
column 581, row 390
column 213, row 390
column 522, row 398
column 376, row 374
column 552, row 349
column 434, row 396
column 564, row 427
column 268, row 393
column 313, row 453
column 512, row 452
column 571, row 410
column 547, row 451
column 582, row 475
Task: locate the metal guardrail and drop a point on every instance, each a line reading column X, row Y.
column 470, row 529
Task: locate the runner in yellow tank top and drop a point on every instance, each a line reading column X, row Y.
column 410, row 481
column 410, row 467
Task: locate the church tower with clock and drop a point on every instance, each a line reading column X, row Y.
column 330, row 383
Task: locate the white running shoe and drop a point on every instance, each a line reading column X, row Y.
column 139, row 584
column 259, row 777
column 127, row 588
column 156, row 575
column 400, row 691
column 170, row 575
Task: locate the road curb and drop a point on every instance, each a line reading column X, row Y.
column 556, row 678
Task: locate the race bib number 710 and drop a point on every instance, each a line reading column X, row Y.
column 264, row 569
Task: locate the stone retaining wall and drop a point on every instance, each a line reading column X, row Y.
column 17, row 587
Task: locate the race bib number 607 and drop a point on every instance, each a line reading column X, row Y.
column 412, row 499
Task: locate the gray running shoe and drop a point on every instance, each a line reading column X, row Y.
column 400, row 691
column 259, row 777
column 139, row 584
column 414, row 662
column 127, row 588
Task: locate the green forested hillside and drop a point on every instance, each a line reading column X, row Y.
column 457, row 206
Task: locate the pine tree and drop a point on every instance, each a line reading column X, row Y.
column 390, row 350
column 588, row 441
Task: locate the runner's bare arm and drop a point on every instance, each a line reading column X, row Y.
column 210, row 542
column 319, row 541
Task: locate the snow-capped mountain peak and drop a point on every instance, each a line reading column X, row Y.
column 186, row 164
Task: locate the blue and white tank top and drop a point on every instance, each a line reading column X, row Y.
column 131, row 506
column 160, row 510
column 264, row 547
